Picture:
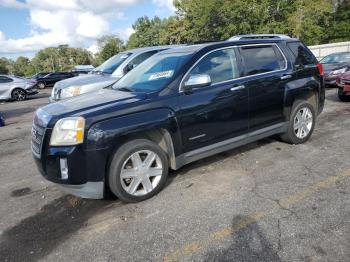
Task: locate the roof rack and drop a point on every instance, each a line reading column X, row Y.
column 257, row 36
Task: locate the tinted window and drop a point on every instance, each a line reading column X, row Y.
column 220, row 65
column 302, row 55
column 4, row 79
column 153, row 74
column 262, row 59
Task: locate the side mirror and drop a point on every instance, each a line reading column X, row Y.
column 196, row 81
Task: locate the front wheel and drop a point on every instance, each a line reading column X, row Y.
column 19, row 94
column 301, row 123
column 138, row 170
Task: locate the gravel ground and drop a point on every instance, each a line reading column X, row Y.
column 266, row 201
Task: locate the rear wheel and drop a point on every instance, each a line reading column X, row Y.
column 301, row 123
column 19, row 94
column 342, row 96
column 138, row 170
column 41, row 85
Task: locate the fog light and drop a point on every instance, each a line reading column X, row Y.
column 64, row 168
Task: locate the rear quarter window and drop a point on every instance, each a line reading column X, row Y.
column 302, row 55
column 262, row 59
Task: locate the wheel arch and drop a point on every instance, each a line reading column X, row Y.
column 308, row 94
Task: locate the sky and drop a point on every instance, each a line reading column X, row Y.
column 27, row 26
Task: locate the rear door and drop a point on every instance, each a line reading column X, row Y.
column 5, row 85
column 266, row 73
column 217, row 112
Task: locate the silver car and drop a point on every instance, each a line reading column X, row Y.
column 16, row 88
column 105, row 75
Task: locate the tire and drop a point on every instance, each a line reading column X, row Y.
column 295, row 135
column 342, row 97
column 41, row 85
column 128, row 161
column 19, row 94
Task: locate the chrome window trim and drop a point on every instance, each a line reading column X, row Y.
column 238, row 78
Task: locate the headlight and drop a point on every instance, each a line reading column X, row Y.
column 68, row 131
column 339, row 71
column 70, row 91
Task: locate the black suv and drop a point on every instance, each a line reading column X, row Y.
column 51, row 78
column 181, row 105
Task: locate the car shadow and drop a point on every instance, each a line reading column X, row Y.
column 36, row 236
column 248, row 244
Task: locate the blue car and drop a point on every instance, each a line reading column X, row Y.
column 2, row 121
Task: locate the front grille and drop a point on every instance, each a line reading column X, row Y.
column 37, row 139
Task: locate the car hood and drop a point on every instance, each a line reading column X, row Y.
column 92, row 102
column 331, row 67
column 85, row 80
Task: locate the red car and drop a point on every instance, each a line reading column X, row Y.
column 343, row 83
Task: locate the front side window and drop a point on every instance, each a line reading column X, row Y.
column 220, row 65
column 153, row 74
column 262, row 59
column 138, row 60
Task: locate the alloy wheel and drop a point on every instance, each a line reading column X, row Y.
column 303, row 122
column 141, row 172
column 19, row 95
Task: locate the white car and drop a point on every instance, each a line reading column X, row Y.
column 16, row 88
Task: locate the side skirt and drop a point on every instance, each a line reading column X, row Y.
column 229, row 144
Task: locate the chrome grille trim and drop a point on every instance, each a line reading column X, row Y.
column 38, row 133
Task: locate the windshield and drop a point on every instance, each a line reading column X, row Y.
column 154, row 74
column 336, row 58
column 111, row 64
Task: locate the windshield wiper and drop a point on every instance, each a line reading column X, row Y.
column 99, row 72
column 124, row 88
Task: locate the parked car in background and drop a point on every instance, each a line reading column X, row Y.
column 343, row 83
column 179, row 106
column 51, row 78
column 16, row 88
column 334, row 65
column 2, row 120
column 104, row 75
column 39, row 75
column 82, row 69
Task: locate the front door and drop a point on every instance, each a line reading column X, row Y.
column 216, row 112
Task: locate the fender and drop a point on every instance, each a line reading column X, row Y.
column 111, row 133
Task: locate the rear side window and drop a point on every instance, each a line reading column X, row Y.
column 303, row 56
column 262, row 59
column 220, row 65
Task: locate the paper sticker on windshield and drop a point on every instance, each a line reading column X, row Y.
column 164, row 74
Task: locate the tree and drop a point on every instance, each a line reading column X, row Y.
column 147, row 32
column 110, row 45
column 4, row 66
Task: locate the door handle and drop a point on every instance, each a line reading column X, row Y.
column 235, row 88
column 285, row 77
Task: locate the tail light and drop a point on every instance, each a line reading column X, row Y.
column 320, row 69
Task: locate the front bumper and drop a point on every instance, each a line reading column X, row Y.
column 77, row 171
column 32, row 91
